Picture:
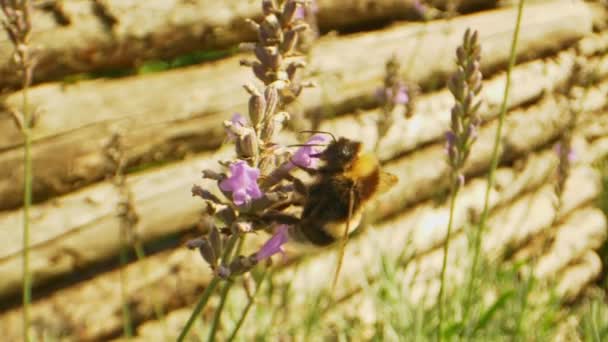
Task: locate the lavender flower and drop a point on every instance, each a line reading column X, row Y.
column 302, row 12
column 304, row 155
column 396, row 95
column 274, row 245
column 465, row 85
column 258, row 156
column 242, row 183
column 236, row 121
column 569, row 153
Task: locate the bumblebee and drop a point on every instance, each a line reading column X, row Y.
column 334, row 202
column 344, row 184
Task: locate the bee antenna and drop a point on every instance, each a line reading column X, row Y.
column 302, row 145
column 321, row 132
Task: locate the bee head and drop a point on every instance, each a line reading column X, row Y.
column 340, row 154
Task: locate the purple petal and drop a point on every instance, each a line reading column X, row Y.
column 402, row 96
column 242, row 183
column 572, row 156
column 303, row 158
column 237, row 120
column 240, row 197
column 275, row 244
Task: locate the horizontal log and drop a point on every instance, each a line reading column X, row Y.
column 167, row 115
column 585, row 230
column 182, row 273
column 431, row 117
column 578, row 275
column 63, row 230
column 524, row 131
column 120, row 34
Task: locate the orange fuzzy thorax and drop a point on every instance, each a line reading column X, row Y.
column 363, row 166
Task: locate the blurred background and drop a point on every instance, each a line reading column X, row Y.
column 129, row 99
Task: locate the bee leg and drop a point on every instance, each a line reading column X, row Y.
column 299, row 186
column 284, row 204
column 308, row 170
column 280, row 217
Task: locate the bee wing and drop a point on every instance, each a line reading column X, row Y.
column 387, row 181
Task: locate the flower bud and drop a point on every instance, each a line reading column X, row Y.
column 226, row 215
column 223, row 272
column 242, row 264
column 289, row 11
column 289, row 42
column 205, row 249
column 257, row 105
column 270, row 30
column 271, row 96
column 215, row 240
column 268, row 7
column 260, row 72
column 247, row 144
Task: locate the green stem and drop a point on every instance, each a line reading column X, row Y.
column 247, row 308
column 223, row 296
column 524, row 305
column 158, row 310
column 206, row 294
column 493, row 166
column 27, row 203
column 446, row 246
column 199, row 307
column 126, row 311
column 218, row 311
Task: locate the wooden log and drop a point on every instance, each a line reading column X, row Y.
column 431, row 117
column 119, row 34
column 64, row 230
column 585, row 230
column 73, row 160
column 578, row 275
column 182, row 273
column 166, row 115
column 428, row 169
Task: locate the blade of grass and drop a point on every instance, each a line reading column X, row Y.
column 493, row 165
column 126, row 310
column 158, row 310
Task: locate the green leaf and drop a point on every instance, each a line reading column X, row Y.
column 489, row 313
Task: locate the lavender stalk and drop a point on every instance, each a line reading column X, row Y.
column 394, row 95
column 465, row 85
column 18, row 26
column 257, row 180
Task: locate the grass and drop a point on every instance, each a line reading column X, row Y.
column 504, row 307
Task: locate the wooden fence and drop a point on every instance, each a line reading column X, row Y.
column 170, row 127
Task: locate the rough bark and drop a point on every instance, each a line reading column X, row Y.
column 114, row 34
column 165, row 116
